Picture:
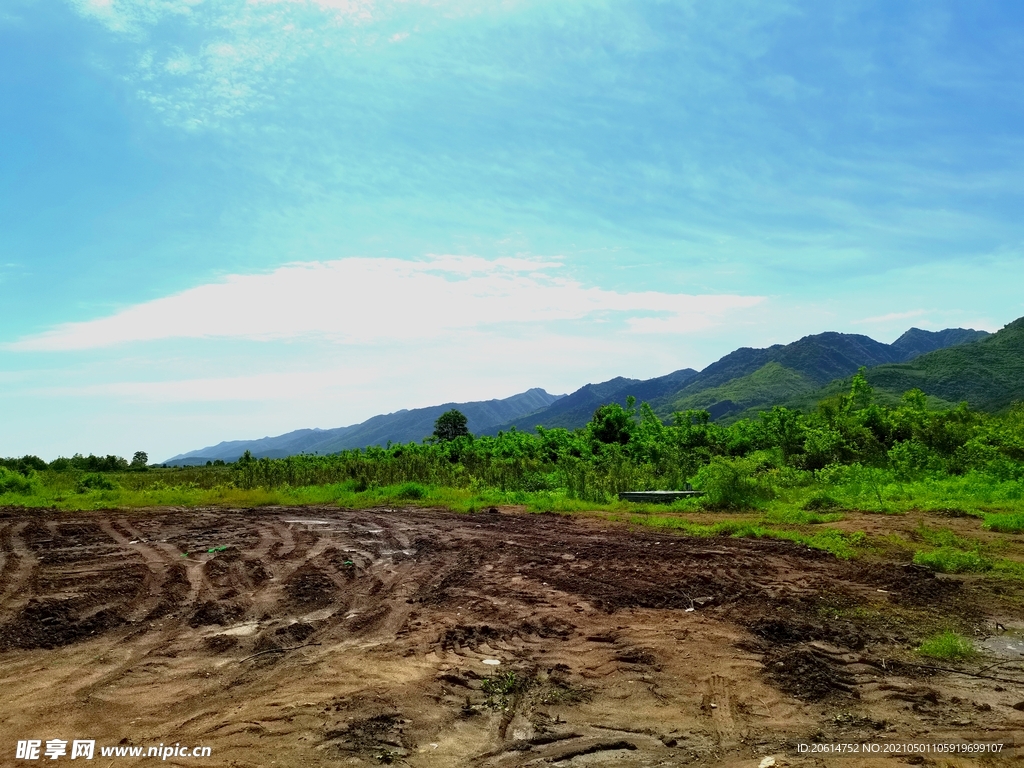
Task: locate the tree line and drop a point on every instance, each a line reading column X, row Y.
column 630, row 448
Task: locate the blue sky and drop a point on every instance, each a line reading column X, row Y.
column 222, row 220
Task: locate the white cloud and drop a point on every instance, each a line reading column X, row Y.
column 373, row 301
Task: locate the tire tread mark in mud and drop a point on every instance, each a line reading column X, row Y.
column 156, row 566
column 169, row 556
column 717, row 704
column 20, row 565
column 287, row 539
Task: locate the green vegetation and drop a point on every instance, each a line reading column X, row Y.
column 987, row 374
column 451, row 425
column 783, row 474
column 771, row 383
column 948, row 646
column 501, row 689
column 1005, row 523
column 950, row 560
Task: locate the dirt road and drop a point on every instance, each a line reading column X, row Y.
column 320, row 637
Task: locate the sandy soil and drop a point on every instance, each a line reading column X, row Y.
column 320, row 637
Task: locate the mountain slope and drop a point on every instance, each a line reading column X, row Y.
column 771, row 383
column 758, row 378
column 575, row 409
column 951, row 365
column 400, row 427
column 747, row 378
column 987, row 374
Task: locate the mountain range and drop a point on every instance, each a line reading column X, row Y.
column 405, row 426
column 952, row 365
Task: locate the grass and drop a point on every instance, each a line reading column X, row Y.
column 501, row 688
column 791, row 516
column 943, row 537
column 950, row 560
column 948, row 646
column 1012, row 522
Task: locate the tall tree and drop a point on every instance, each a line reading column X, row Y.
column 450, row 425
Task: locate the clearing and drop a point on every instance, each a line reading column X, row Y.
column 320, row 636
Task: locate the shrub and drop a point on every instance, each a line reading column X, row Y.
column 410, row 491
column 820, row 502
column 15, row 482
column 948, row 646
column 93, row 481
column 728, row 484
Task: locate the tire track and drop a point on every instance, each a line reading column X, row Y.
column 199, row 585
column 20, row 565
column 156, row 568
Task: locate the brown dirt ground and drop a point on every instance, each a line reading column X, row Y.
column 321, row 637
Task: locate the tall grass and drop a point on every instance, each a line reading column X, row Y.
column 948, row 646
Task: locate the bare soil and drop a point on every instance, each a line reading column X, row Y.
column 321, row 637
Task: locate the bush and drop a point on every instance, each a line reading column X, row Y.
column 15, row 482
column 94, row 481
column 948, row 646
column 821, row 502
column 729, row 484
column 410, row 491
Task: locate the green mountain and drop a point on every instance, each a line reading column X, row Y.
column 576, row 409
column 950, row 366
column 400, row 427
column 771, row 383
column 748, row 379
column 987, row 374
column 755, row 378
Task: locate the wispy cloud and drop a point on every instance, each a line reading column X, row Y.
column 242, row 53
column 361, row 301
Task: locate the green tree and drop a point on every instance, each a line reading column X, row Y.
column 140, row 459
column 450, row 425
column 614, row 424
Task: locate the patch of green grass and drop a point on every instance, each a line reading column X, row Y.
column 950, row 560
column 1010, row 568
column 501, row 688
column 943, row 537
column 820, row 502
column 948, row 646
column 411, row 491
column 1012, row 522
column 790, row 516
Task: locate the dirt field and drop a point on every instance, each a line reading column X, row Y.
column 316, row 637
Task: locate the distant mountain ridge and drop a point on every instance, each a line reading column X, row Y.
column 747, row 378
column 987, row 374
column 955, row 363
column 576, row 409
column 403, row 426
